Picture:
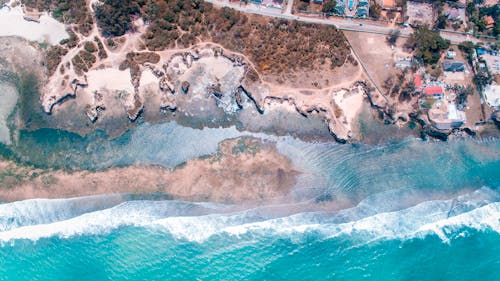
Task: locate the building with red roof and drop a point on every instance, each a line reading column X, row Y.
column 417, row 80
column 435, row 91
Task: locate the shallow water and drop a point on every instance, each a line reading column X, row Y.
column 8, row 97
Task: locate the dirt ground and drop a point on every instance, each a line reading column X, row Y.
column 322, row 77
column 376, row 54
column 473, row 112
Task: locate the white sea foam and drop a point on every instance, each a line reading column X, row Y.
column 197, row 222
column 43, row 211
column 137, row 213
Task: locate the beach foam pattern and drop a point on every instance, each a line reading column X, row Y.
column 195, row 222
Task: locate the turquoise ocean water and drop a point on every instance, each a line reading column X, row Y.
column 406, row 210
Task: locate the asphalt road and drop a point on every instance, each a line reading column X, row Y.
column 343, row 24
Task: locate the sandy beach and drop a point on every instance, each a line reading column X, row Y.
column 46, row 30
column 243, row 169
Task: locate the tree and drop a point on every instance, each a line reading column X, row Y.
column 463, row 93
column 375, row 10
column 393, row 37
column 328, row 6
column 427, row 44
column 114, row 17
column 441, row 22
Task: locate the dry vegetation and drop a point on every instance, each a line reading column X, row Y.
column 83, row 61
column 276, row 47
column 135, row 59
column 53, row 58
column 71, row 12
column 273, row 45
column 398, row 86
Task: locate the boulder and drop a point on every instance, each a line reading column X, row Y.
column 185, row 87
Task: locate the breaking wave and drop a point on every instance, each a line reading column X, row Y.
column 372, row 219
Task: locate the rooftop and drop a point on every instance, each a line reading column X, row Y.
column 492, row 94
column 453, row 66
column 417, row 80
column 433, row 90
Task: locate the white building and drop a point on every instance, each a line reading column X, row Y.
column 492, row 95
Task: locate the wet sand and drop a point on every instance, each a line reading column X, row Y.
column 243, row 169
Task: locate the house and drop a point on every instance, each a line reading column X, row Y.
column 404, row 63
column 456, row 14
column 278, row 4
column 461, row 4
column 434, row 91
column 420, row 13
column 417, row 81
column 492, row 95
column 339, row 7
column 362, row 12
column 453, row 14
column 490, row 22
column 453, row 66
column 363, row 3
column 446, row 116
column 451, row 54
column 386, row 4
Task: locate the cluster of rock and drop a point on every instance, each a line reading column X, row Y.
column 53, row 100
column 95, row 109
column 201, row 74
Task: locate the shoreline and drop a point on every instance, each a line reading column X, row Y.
column 242, row 169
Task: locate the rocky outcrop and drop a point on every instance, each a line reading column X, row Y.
column 53, row 100
column 185, row 87
column 495, row 116
column 243, row 91
column 133, row 104
column 94, row 110
column 431, row 132
column 168, row 103
column 166, row 86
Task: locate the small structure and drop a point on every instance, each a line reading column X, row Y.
column 453, row 66
column 417, row 81
column 404, row 63
column 451, row 54
column 362, row 12
column 446, row 116
column 456, row 14
column 492, row 95
column 434, row 91
column 363, row 3
column 490, row 22
column 339, row 7
column 420, row 13
column 386, row 4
